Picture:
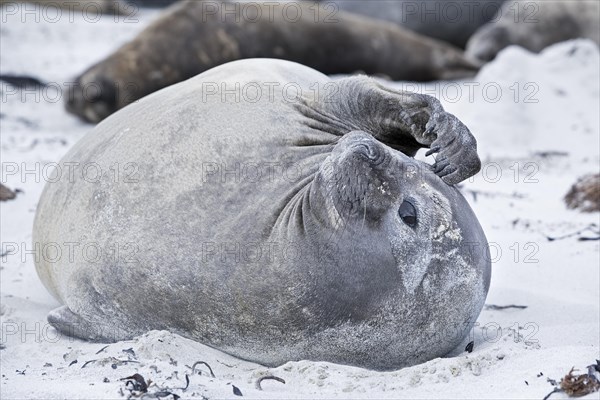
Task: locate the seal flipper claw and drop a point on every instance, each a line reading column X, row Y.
column 67, row 322
column 451, row 177
column 431, row 125
column 446, row 171
column 432, row 150
column 456, row 147
column 439, row 166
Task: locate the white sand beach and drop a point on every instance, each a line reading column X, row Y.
column 537, row 121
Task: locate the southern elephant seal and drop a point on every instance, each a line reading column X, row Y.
column 89, row 7
column 115, row 7
column 535, row 25
column 451, row 21
column 194, row 36
column 272, row 213
column 152, row 3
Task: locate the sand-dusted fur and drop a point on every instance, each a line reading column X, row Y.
column 270, row 212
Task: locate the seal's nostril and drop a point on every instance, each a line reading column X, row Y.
column 369, row 150
column 362, row 148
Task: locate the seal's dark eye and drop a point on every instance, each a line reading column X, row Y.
column 408, row 213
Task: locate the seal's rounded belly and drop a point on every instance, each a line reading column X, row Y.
column 270, row 212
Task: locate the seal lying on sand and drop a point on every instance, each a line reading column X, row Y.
column 535, row 25
column 272, row 213
column 194, row 36
column 113, row 7
column 451, row 21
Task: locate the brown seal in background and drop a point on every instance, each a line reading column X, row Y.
column 535, row 25
column 194, row 36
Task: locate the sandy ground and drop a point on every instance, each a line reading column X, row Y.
column 536, row 118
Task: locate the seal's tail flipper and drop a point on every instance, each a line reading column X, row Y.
column 67, row 322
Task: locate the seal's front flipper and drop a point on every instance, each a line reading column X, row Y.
column 457, row 157
column 67, row 322
column 424, row 118
column 408, row 121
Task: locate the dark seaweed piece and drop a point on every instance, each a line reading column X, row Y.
column 591, row 228
column 551, row 153
column 496, row 307
column 159, row 395
column 87, row 362
column 236, row 391
column 275, row 378
column 556, row 390
column 22, row 81
column 7, row 194
column 137, row 382
column 579, row 385
column 469, row 348
column 193, row 367
column 187, row 382
column 129, row 351
column 102, row 349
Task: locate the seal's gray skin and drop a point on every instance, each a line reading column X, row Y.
column 451, row 21
column 534, row 25
column 194, row 36
column 274, row 227
column 90, row 7
column 111, row 7
column 151, row 3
